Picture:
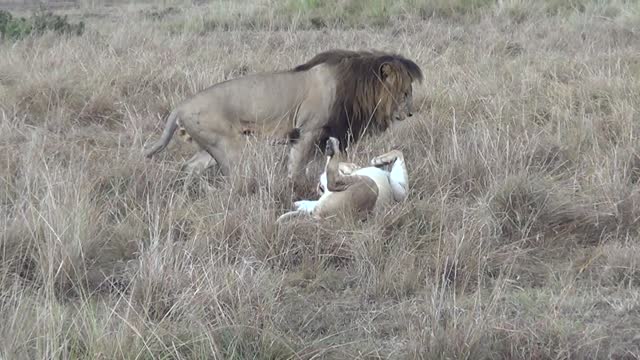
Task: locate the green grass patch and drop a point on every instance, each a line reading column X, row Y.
column 353, row 12
column 41, row 21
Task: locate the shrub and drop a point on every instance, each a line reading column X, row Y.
column 15, row 28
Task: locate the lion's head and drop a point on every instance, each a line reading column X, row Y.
column 373, row 90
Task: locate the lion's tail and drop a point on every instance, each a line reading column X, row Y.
column 169, row 129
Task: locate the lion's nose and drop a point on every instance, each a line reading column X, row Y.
column 410, row 114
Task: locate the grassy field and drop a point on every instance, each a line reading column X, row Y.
column 520, row 238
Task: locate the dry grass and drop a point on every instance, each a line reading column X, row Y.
column 519, row 240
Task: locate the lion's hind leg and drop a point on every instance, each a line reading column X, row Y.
column 222, row 148
column 196, row 166
column 199, row 162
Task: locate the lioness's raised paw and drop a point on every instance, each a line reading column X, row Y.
column 332, row 147
column 347, row 168
column 387, row 158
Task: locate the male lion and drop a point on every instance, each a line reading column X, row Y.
column 339, row 93
column 347, row 189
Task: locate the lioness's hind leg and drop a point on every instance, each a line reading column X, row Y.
column 398, row 176
column 399, row 180
column 387, row 158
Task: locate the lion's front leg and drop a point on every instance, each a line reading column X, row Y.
column 199, row 162
column 301, row 153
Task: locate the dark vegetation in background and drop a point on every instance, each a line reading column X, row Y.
column 42, row 20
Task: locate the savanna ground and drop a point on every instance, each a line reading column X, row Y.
column 520, row 238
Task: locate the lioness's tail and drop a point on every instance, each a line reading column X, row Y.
column 169, row 129
column 290, row 215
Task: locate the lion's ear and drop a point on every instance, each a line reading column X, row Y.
column 386, row 70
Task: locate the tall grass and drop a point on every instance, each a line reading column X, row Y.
column 518, row 240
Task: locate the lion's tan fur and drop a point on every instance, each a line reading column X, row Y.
column 339, row 93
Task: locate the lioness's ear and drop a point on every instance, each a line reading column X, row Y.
column 386, row 70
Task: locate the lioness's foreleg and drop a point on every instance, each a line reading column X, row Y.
column 352, row 193
column 302, row 207
column 336, row 180
column 398, row 176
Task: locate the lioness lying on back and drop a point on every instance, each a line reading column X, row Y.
column 349, row 189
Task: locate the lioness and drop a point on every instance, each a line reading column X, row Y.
column 346, row 188
column 339, row 93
